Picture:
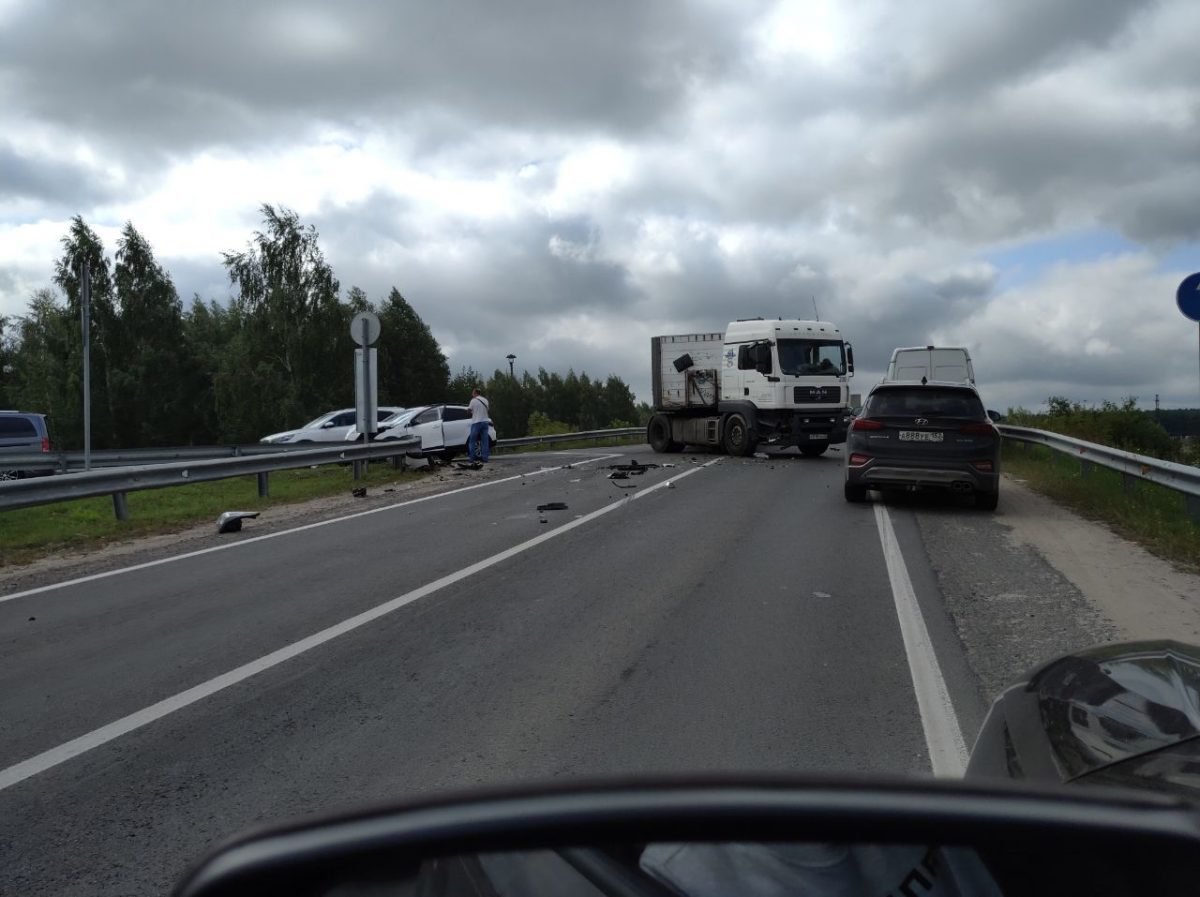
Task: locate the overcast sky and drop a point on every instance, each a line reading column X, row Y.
column 561, row 180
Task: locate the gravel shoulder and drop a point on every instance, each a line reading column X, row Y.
column 1037, row 581
column 1143, row 596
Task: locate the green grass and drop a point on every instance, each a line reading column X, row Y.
column 29, row 533
column 1151, row 515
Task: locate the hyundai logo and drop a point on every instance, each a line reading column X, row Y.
column 921, row 422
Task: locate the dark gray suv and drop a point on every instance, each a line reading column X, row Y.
column 20, row 434
column 924, row 436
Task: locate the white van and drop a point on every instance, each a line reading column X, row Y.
column 933, row 363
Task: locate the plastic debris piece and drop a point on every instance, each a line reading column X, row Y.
column 822, row 595
column 359, row 492
column 231, row 521
column 552, row 506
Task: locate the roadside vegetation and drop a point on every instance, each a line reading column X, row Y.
column 30, row 533
column 274, row 355
column 1152, row 515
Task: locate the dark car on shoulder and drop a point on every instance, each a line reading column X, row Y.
column 924, row 435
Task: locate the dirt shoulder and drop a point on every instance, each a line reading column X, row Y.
column 1144, row 596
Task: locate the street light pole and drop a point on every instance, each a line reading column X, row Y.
column 511, row 360
column 85, row 313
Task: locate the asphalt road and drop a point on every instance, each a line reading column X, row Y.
column 743, row 617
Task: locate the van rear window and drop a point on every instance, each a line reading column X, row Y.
column 12, row 427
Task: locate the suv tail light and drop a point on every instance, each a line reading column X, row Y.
column 979, row 429
column 857, row 460
column 984, row 466
column 865, row 423
column 45, row 443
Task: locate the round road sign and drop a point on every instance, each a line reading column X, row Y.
column 356, row 327
column 1187, row 297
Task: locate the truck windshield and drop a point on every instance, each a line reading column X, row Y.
column 811, row 356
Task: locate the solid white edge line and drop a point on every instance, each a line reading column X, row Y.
column 92, row 577
column 943, row 735
column 97, row 737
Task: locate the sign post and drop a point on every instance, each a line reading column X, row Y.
column 1187, row 297
column 364, row 330
column 85, row 313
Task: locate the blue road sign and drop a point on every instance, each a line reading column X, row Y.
column 1187, row 297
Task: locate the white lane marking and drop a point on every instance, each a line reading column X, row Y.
column 92, row 577
column 97, row 737
column 943, row 735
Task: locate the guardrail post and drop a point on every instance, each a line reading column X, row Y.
column 1086, row 467
column 358, row 469
column 1193, row 506
column 264, row 485
column 120, row 506
column 1129, row 483
column 398, row 462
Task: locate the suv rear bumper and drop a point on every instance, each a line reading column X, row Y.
column 876, row 474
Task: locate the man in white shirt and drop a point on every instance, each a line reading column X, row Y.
column 479, row 429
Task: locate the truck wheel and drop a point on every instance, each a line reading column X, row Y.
column 736, row 439
column 855, row 493
column 658, row 434
column 812, row 451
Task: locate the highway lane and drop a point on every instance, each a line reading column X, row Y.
column 742, row 620
column 101, row 649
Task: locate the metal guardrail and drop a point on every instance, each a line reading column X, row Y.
column 583, row 436
column 1132, row 467
column 117, row 481
column 120, row 471
column 62, row 462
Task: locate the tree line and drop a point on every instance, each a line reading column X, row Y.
column 278, row 354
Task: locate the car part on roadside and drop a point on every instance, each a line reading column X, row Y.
column 553, row 506
column 231, row 521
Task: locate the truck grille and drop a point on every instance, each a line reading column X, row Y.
column 807, row 395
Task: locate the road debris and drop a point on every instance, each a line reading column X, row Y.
column 763, row 455
column 231, row 521
column 553, row 506
column 359, row 492
column 576, row 480
column 633, row 467
column 822, row 595
column 630, row 486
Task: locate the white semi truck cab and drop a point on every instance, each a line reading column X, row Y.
column 778, row 382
